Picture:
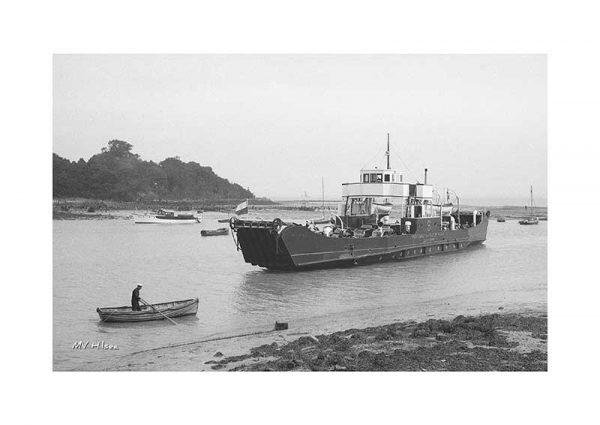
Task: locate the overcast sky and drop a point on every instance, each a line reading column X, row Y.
column 279, row 123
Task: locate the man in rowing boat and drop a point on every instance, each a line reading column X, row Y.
column 135, row 298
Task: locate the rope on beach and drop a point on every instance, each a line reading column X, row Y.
column 201, row 341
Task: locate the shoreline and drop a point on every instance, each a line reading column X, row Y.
column 89, row 209
column 493, row 342
column 487, row 342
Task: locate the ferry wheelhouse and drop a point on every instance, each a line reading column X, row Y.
column 383, row 197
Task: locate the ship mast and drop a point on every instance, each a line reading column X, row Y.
column 387, row 153
column 323, row 195
column 531, row 200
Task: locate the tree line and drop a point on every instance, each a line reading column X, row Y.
column 116, row 173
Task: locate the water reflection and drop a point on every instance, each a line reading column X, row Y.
column 154, row 324
column 363, row 273
column 344, row 289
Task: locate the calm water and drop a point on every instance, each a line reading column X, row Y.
column 98, row 262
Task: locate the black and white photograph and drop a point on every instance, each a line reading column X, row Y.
column 318, row 212
column 299, row 213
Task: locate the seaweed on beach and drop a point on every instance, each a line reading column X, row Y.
column 464, row 344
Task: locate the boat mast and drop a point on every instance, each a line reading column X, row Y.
column 387, row 153
column 323, row 195
column 531, row 201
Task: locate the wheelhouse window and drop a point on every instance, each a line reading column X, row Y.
column 373, row 178
column 379, row 177
column 360, row 206
column 365, row 178
column 387, row 178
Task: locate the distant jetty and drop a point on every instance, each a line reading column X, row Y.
column 84, row 208
column 517, row 213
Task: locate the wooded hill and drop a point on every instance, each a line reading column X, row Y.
column 118, row 174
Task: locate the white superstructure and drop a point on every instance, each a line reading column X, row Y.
column 384, row 192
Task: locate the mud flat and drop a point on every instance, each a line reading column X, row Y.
column 222, row 205
column 515, row 213
column 84, row 215
column 496, row 342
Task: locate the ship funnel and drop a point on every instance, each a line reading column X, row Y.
column 425, row 175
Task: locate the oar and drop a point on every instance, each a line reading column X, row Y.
column 151, row 306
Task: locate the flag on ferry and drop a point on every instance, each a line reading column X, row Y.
column 242, row 208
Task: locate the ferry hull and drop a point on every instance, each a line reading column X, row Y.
column 296, row 247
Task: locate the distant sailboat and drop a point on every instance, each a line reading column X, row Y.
column 532, row 219
column 322, row 219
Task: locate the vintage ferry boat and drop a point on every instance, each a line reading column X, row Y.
column 381, row 218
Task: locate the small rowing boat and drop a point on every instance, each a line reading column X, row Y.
column 216, row 232
column 149, row 312
column 529, row 221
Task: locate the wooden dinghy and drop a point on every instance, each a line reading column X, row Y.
column 322, row 220
column 153, row 312
column 217, row 232
column 529, row 221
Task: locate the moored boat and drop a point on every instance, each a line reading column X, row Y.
column 381, row 218
column 501, row 220
column 216, row 232
column 223, row 220
column 149, row 312
column 531, row 219
column 168, row 217
column 322, row 220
